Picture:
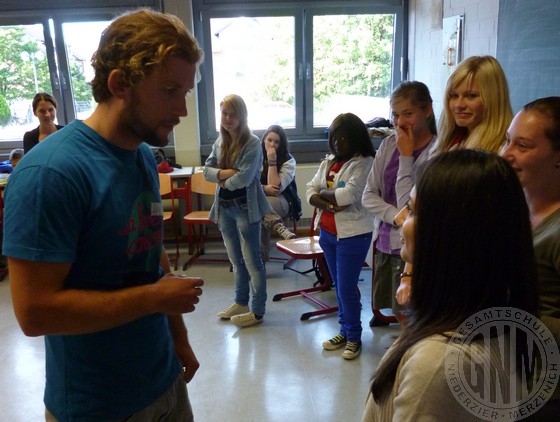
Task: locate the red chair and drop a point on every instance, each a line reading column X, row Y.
column 198, row 188
column 308, row 248
column 166, row 192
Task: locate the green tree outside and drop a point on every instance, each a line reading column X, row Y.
column 5, row 113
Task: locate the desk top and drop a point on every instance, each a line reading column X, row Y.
column 181, row 173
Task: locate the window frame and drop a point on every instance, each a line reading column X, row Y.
column 307, row 144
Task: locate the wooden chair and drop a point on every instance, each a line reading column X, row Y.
column 166, row 192
column 198, row 189
column 308, row 248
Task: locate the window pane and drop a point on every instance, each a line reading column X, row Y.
column 254, row 58
column 82, row 39
column 352, row 63
column 23, row 72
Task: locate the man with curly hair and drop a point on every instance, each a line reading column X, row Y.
column 88, row 269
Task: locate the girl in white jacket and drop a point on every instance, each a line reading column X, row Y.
column 346, row 226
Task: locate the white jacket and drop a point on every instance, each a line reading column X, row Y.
column 350, row 182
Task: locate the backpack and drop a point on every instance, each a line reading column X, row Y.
column 291, row 195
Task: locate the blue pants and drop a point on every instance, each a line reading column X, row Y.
column 243, row 244
column 345, row 258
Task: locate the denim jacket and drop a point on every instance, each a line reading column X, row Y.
column 248, row 165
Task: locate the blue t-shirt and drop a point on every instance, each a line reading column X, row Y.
column 76, row 198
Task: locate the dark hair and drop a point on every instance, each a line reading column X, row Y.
column 550, row 107
column 282, row 154
column 42, row 96
column 351, row 127
column 16, row 153
column 472, row 250
column 136, row 42
column 419, row 96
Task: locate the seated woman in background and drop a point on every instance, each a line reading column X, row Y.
column 476, row 115
column 533, row 150
column 346, row 225
column 44, row 107
column 279, row 170
column 479, row 257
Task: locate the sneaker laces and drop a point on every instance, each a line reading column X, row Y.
column 352, row 346
column 339, row 338
column 283, row 231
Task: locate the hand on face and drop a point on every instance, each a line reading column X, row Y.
column 271, row 152
column 405, row 139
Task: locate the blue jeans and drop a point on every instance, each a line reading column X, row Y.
column 345, row 258
column 243, row 244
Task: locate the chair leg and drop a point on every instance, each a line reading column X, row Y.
column 323, row 286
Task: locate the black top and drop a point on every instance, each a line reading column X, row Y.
column 31, row 138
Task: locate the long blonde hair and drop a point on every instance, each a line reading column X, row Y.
column 232, row 147
column 490, row 133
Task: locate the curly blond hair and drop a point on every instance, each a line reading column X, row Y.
column 135, row 43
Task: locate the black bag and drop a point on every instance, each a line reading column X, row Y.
column 291, row 195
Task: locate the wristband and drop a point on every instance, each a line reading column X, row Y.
column 272, row 163
column 406, row 274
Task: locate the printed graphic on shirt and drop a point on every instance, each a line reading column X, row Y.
column 144, row 228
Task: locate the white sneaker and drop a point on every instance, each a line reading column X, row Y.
column 233, row 310
column 282, row 231
column 352, row 350
column 246, row 320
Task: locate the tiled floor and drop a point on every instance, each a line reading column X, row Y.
column 276, row 371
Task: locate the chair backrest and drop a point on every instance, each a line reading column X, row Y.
column 165, row 185
column 198, row 184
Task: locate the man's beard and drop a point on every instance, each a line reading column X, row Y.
column 136, row 125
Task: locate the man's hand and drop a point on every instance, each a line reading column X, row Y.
column 178, row 294
column 188, row 361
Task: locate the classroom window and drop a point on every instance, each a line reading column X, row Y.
column 49, row 49
column 300, row 64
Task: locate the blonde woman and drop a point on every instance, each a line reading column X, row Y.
column 239, row 207
column 477, row 111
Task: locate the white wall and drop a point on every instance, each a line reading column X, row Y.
column 425, row 38
column 187, row 133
